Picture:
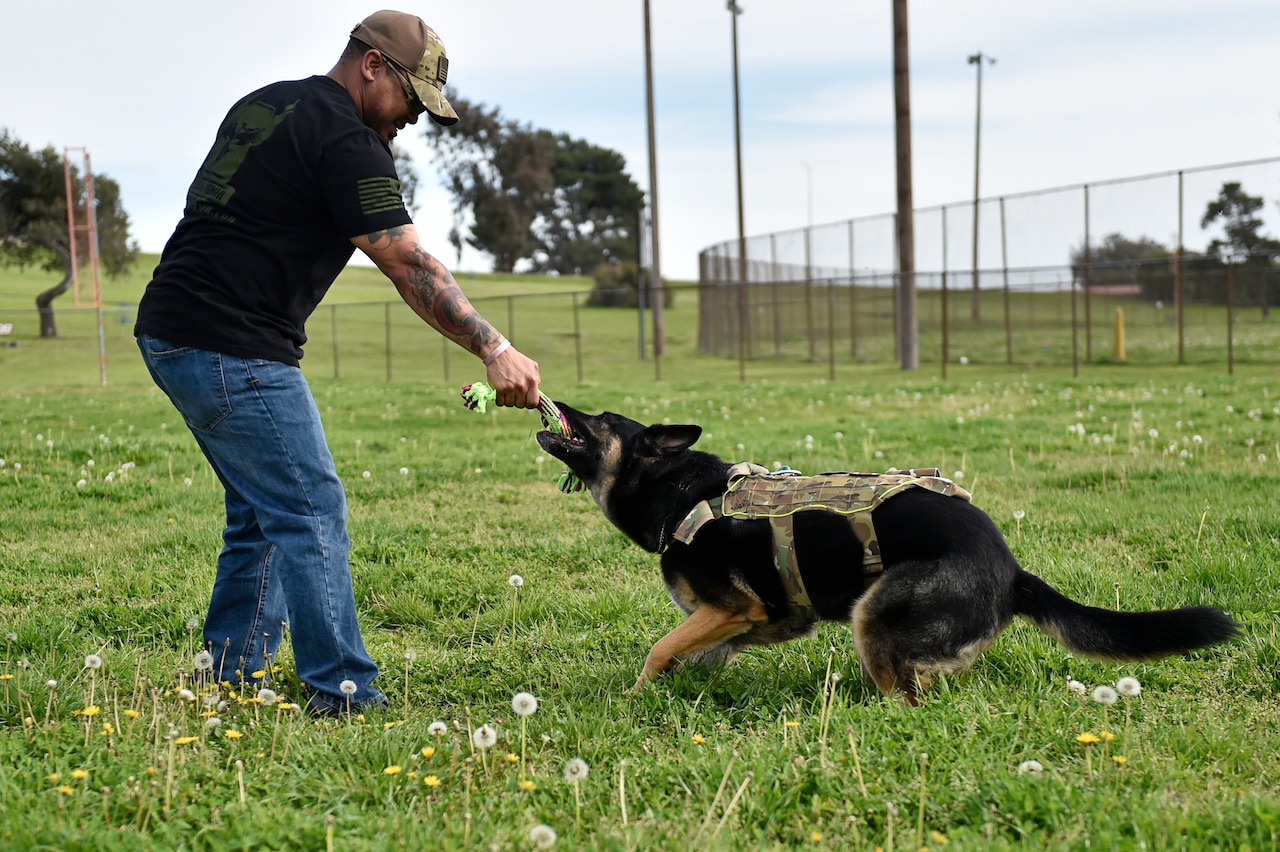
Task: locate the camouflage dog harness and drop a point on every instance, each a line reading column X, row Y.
column 754, row 493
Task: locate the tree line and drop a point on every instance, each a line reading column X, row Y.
column 1254, row 257
column 543, row 200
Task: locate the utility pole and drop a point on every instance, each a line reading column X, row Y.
column 977, row 59
column 908, row 336
column 743, row 313
column 655, row 266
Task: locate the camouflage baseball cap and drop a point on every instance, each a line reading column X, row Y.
column 415, row 47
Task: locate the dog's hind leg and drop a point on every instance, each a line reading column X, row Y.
column 705, row 628
column 911, row 629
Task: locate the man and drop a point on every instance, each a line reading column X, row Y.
column 301, row 174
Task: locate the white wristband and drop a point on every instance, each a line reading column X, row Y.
column 497, row 350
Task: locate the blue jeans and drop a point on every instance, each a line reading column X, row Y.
column 284, row 557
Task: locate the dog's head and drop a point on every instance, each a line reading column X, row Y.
column 627, row 466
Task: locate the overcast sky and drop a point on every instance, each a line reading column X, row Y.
column 1083, row 90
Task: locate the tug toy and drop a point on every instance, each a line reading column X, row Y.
column 478, row 396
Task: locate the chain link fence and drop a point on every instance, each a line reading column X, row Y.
column 1116, row 270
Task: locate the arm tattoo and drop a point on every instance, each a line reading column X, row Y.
column 436, row 294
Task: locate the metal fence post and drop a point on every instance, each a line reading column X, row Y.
column 1231, row 318
column 333, row 325
column 386, row 321
column 946, row 342
column 1004, row 271
column 577, row 337
column 1088, row 278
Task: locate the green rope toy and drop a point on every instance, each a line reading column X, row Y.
column 478, row 396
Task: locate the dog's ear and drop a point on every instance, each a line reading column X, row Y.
column 664, row 440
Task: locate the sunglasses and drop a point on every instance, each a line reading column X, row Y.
column 415, row 103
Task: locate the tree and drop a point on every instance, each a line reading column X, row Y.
column 1243, row 245
column 498, row 169
column 592, row 216
column 1121, row 261
column 561, row 204
column 1236, row 210
column 33, row 219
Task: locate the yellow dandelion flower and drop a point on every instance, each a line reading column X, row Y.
column 393, row 769
column 108, row 729
column 65, row 790
column 151, row 772
column 939, row 838
column 428, row 751
column 259, row 674
column 132, row 714
column 528, row 786
column 6, row 676
column 233, row 734
column 513, row 758
column 699, row 739
column 411, row 775
column 54, row 778
column 1108, row 736
column 1120, row 759
column 79, row 774
column 360, row 718
column 815, row 837
column 91, row 710
column 386, row 726
column 1088, row 738
column 431, row 781
column 791, row 723
column 186, row 740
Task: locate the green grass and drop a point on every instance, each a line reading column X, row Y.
column 735, row 758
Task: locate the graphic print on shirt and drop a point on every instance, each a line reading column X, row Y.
column 248, row 126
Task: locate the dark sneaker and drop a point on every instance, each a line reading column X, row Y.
column 321, row 706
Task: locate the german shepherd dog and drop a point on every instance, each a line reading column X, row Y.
column 947, row 586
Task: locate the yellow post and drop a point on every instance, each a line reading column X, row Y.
column 1118, row 352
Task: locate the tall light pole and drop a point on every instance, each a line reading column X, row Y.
column 734, row 12
column 977, row 59
column 907, row 326
column 655, row 266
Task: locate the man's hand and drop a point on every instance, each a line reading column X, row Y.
column 515, row 378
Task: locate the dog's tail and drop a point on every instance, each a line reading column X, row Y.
column 1104, row 634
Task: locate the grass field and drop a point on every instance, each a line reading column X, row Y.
column 1151, row 488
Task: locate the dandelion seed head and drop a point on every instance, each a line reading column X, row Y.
column 1104, row 695
column 204, row 661
column 437, row 729
column 212, row 722
column 1128, row 686
column 1030, row 767
column 515, row 581
column 1019, row 514
column 576, row 770
column 1077, row 687
column 543, row 836
column 267, row 696
column 484, row 737
column 93, row 661
column 51, row 684
column 192, row 624
column 347, row 687
column 186, row 695
column 524, row 704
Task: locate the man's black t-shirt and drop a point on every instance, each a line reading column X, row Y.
column 293, row 175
